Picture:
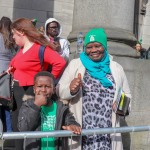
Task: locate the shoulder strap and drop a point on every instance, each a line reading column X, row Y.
column 3, row 74
column 41, row 55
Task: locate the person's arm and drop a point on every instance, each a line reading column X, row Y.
column 124, row 82
column 29, row 116
column 63, row 87
column 70, row 123
column 125, row 86
column 29, row 113
column 11, row 68
column 65, row 49
column 121, row 81
column 126, row 89
column 55, row 60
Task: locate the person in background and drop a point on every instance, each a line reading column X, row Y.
column 45, row 114
column 142, row 51
column 26, row 64
column 53, row 31
column 91, row 84
column 7, row 51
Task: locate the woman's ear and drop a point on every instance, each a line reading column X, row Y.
column 22, row 33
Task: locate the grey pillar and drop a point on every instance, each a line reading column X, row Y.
column 111, row 14
column 117, row 17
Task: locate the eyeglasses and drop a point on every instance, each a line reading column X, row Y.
column 54, row 27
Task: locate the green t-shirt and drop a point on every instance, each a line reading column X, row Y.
column 48, row 121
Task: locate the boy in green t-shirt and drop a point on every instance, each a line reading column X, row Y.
column 44, row 113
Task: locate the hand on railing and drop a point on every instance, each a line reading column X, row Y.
column 75, row 129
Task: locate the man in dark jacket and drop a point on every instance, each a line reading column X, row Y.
column 45, row 114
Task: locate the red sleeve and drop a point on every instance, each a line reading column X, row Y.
column 55, row 60
column 11, row 64
column 14, row 58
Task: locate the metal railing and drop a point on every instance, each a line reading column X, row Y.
column 64, row 133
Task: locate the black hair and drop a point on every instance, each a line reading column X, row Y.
column 44, row 73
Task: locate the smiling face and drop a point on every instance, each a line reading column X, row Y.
column 44, row 86
column 95, row 51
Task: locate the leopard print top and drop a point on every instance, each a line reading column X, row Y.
column 97, row 111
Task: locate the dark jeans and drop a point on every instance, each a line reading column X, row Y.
column 19, row 92
column 6, row 119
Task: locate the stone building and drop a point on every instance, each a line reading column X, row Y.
column 40, row 9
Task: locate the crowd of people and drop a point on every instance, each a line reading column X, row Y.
column 89, row 84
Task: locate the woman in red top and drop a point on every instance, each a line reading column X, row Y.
column 26, row 63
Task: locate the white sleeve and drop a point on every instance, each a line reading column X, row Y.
column 63, row 86
column 65, row 47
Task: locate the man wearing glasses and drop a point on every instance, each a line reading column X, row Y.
column 53, row 30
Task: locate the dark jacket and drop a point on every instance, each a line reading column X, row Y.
column 29, row 119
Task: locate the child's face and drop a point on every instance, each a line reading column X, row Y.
column 44, row 86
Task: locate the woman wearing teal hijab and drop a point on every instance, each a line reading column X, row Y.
column 96, row 61
column 91, row 85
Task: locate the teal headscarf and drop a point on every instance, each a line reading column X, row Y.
column 100, row 69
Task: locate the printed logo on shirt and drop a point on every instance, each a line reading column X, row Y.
column 48, row 122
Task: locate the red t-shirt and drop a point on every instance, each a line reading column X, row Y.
column 27, row 64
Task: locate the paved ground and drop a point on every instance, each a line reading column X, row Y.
column 8, row 145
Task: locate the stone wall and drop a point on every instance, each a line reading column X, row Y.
column 138, row 72
column 145, row 32
column 40, row 9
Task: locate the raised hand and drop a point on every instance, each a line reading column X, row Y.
column 40, row 99
column 75, row 84
column 57, row 44
column 9, row 70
